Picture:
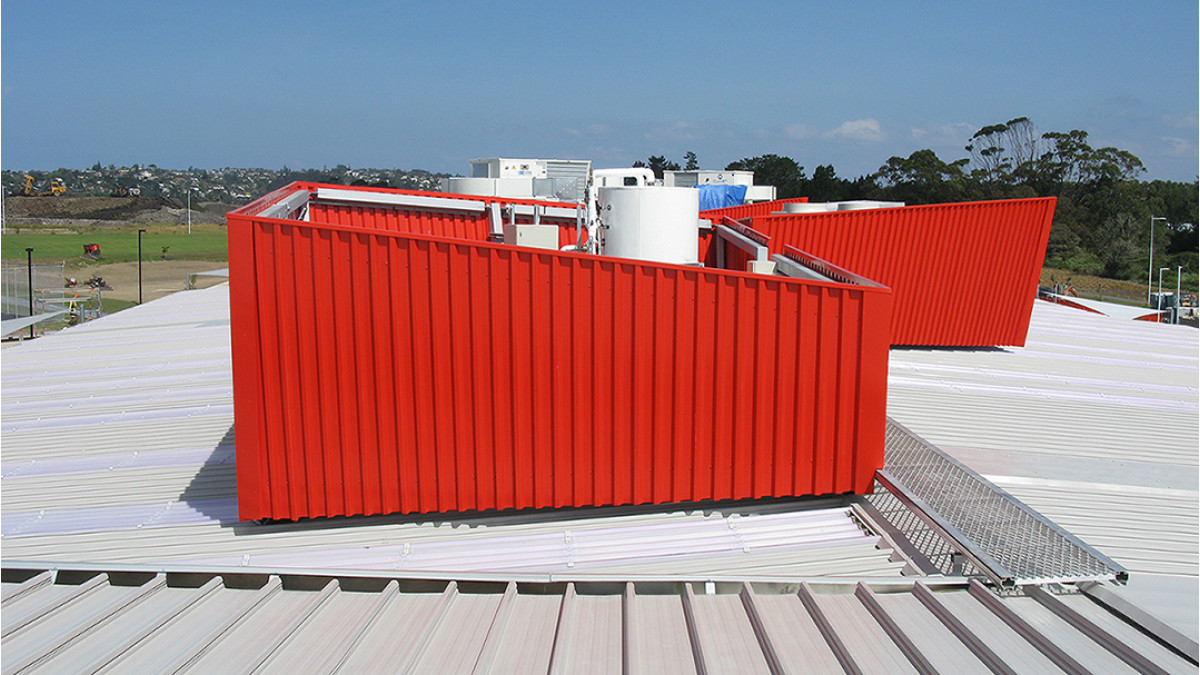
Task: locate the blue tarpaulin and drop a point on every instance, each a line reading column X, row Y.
column 720, row 196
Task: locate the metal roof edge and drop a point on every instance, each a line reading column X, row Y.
column 1122, row 606
column 869, row 287
column 782, row 584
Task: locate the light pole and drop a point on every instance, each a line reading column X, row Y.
column 1178, row 288
column 196, row 188
column 1150, row 270
column 140, row 232
column 29, row 267
column 1159, row 304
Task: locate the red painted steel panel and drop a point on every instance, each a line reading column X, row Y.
column 467, row 225
column 382, row 371
column 962, row 274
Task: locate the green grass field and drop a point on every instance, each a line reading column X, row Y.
column 111, row 305
column 117, row 244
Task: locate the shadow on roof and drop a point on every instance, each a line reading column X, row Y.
column 213, row 490
column 926, row 348
column 536, row 516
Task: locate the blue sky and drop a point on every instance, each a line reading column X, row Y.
column 422, row 85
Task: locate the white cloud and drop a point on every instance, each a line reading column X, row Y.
column 858, row 130
column 682, row 131
column 1124, row 106
column 798, row 132
column 1179, row 146
column 589, row 130
column 1186, row 120
column 610, row 154
column 955, row 133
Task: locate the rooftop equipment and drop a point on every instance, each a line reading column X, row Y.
column 558, row 179
column 825, row 207
column 754, row 193
column 650, row 223
column 631, row 177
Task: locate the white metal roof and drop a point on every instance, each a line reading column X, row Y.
column 1112, row 309
column 1094, row 423
column 118, row 448
column 118, row 452
column 85, row 622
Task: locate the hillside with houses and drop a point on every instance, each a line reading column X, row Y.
column 227, row 186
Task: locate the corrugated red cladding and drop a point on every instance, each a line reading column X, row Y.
column 380, row 372
column 962, row 274
column 452, row 224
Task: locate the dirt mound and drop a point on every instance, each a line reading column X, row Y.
column 1094, row 287
column 83, row 208
column 207, row 212
column 50, row 210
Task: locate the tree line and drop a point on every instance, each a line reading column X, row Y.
column 1101, row 221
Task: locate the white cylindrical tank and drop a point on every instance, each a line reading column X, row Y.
column 807, row 207
column 857, row 205
column 651, row 223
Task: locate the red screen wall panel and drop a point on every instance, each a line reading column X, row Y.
column 962, row 274
column 378, row 371
column 472, row 226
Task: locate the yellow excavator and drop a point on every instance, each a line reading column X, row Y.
column 56, row 188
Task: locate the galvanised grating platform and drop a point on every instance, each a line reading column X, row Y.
column 998, row 535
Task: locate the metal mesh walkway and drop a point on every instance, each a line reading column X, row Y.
column 1001, row 537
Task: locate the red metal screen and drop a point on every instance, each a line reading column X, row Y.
column 962, row 274
column 468, row 225
column 378, row 371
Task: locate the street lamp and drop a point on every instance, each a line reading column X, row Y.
column 1160, row 303
column 1150, row 270
column 1178, row 288
column 140, row 233
column 29, row 267
column 189, row 207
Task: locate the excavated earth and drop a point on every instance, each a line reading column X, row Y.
column 76, row 211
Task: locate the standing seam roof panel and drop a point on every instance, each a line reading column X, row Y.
column 401, row 624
